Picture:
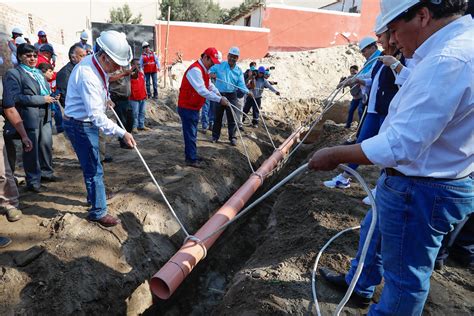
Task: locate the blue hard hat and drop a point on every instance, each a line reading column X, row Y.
column 261, row 69
column 41, row 33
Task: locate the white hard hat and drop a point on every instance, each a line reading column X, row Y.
column 84, row 36
column 234, row 51
column 116, row 46
column 379, row 26
column 390, row 9
column 366, row 41
column 20, row 40
column 17, row 30
column 145, row 44
column 219, row 56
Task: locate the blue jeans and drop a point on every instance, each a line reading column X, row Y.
column 414, row 216
column 139, row 111
column 148, row 78
column 207, row 114
column 355, row 104
column 370, row 128
column 84, row 137
column 58, row 117
column 189, row 121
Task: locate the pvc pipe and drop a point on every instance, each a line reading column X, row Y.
column 164, row 283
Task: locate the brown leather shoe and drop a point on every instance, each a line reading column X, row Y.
column 107, row 221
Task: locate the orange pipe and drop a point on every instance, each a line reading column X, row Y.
column 171, row 275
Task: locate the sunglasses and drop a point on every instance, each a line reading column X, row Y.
column 31, row 55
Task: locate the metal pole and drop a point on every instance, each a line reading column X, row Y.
column 166, row 45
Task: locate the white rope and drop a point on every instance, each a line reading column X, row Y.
column 261, row 112
column 264, row 122
column 241, row 138
column 257, row 201
column 153, row 179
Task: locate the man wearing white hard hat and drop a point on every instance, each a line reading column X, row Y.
column 229, row 81
column 84, row 115
column 16, row 39
column 151, row 65
column 425, row 147
column 83, row 43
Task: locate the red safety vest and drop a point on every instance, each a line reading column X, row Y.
column 149, row 65
column 188, row 97
column 137, row 88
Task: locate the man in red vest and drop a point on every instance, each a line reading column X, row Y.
column 151, row 65
column 195, row 88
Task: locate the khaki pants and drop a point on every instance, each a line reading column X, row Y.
column 8, row 191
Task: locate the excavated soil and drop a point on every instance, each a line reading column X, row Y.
column 260, row 266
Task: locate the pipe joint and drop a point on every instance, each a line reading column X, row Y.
column 198, row 242
column 260, row 176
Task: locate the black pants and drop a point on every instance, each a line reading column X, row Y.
column 219, row 113
column 250, row 104
column 124, row 112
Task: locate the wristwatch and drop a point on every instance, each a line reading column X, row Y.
column 395, row 65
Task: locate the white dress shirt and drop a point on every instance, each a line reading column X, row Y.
column 194, row 77
column 402, row 76
column 87, row 97
column 429, row 128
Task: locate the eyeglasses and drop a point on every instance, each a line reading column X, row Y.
column 31, row 55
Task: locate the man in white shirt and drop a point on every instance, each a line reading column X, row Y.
column 84, row 114
column 426, row 147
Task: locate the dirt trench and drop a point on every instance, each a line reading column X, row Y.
column 76, row 267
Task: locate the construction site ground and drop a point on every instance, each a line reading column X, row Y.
column 60, row 264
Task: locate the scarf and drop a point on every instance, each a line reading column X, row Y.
column 37, row 75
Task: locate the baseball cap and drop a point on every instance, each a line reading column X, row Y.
column 261, row 69
column 212, row 53
column 234, row 51
column 47, row 48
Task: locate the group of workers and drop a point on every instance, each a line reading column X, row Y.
column 418, row 130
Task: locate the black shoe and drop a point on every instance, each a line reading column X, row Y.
column 155, row 97
column 51, row 179
column 215, row 140
column 338, row 280
column 107, row 159
column 35, row 188
column 439, row 265
column 194, row 164
column 241, row 128
column 233, row 142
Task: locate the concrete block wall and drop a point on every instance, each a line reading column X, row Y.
column 30, row 24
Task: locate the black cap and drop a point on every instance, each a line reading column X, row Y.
column 47, row 48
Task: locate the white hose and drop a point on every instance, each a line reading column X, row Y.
column 365, row 248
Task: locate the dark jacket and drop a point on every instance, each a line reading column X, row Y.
column 62, row 79
column 23, row 91
column 387, row 87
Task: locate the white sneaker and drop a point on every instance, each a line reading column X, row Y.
column 338, row 181
column 366, row 200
